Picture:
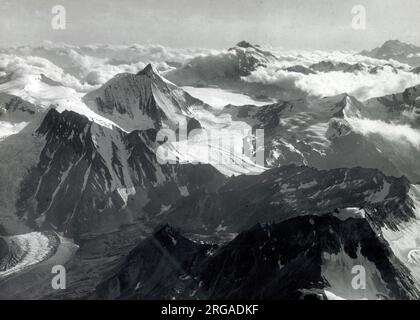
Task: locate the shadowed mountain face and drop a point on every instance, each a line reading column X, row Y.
column 15, row 114
column 93, row 178
column 282, row 193
column 15, row 109
column 4, row 250
column 295, row 259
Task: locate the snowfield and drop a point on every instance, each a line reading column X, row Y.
column 7, row 128
column 219, row 98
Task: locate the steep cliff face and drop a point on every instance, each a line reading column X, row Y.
column 307, row 256
column 285, row 192
column 402, row 107
column 86, row 177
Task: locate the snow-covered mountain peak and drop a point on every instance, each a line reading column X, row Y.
column 244, row 44
column 344, row 106
column 251, row 56
column 65, row 125
column 398, row 46
column 149, row 71
column 396, row 50
column 142, row 101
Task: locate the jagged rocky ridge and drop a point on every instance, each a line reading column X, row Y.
column 330, row 132
column 344, row 217
column 91, row 178
column 279, row 194
column 15, row 114
column 15, row 109
column 301, row 258
column 332, row 66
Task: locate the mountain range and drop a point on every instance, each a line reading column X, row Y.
column 84, row 184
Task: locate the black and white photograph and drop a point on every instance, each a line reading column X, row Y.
column 206, row 150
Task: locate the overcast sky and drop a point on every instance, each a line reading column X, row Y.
column 290, row 24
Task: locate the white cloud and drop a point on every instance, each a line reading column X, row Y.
column 361, row 84
column 26, row 69
column 87, row 67
column 98, row 63
column 390, row 131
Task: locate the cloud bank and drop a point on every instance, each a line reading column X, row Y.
column 85, row 68
column 389, row 77
column 93, row 65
